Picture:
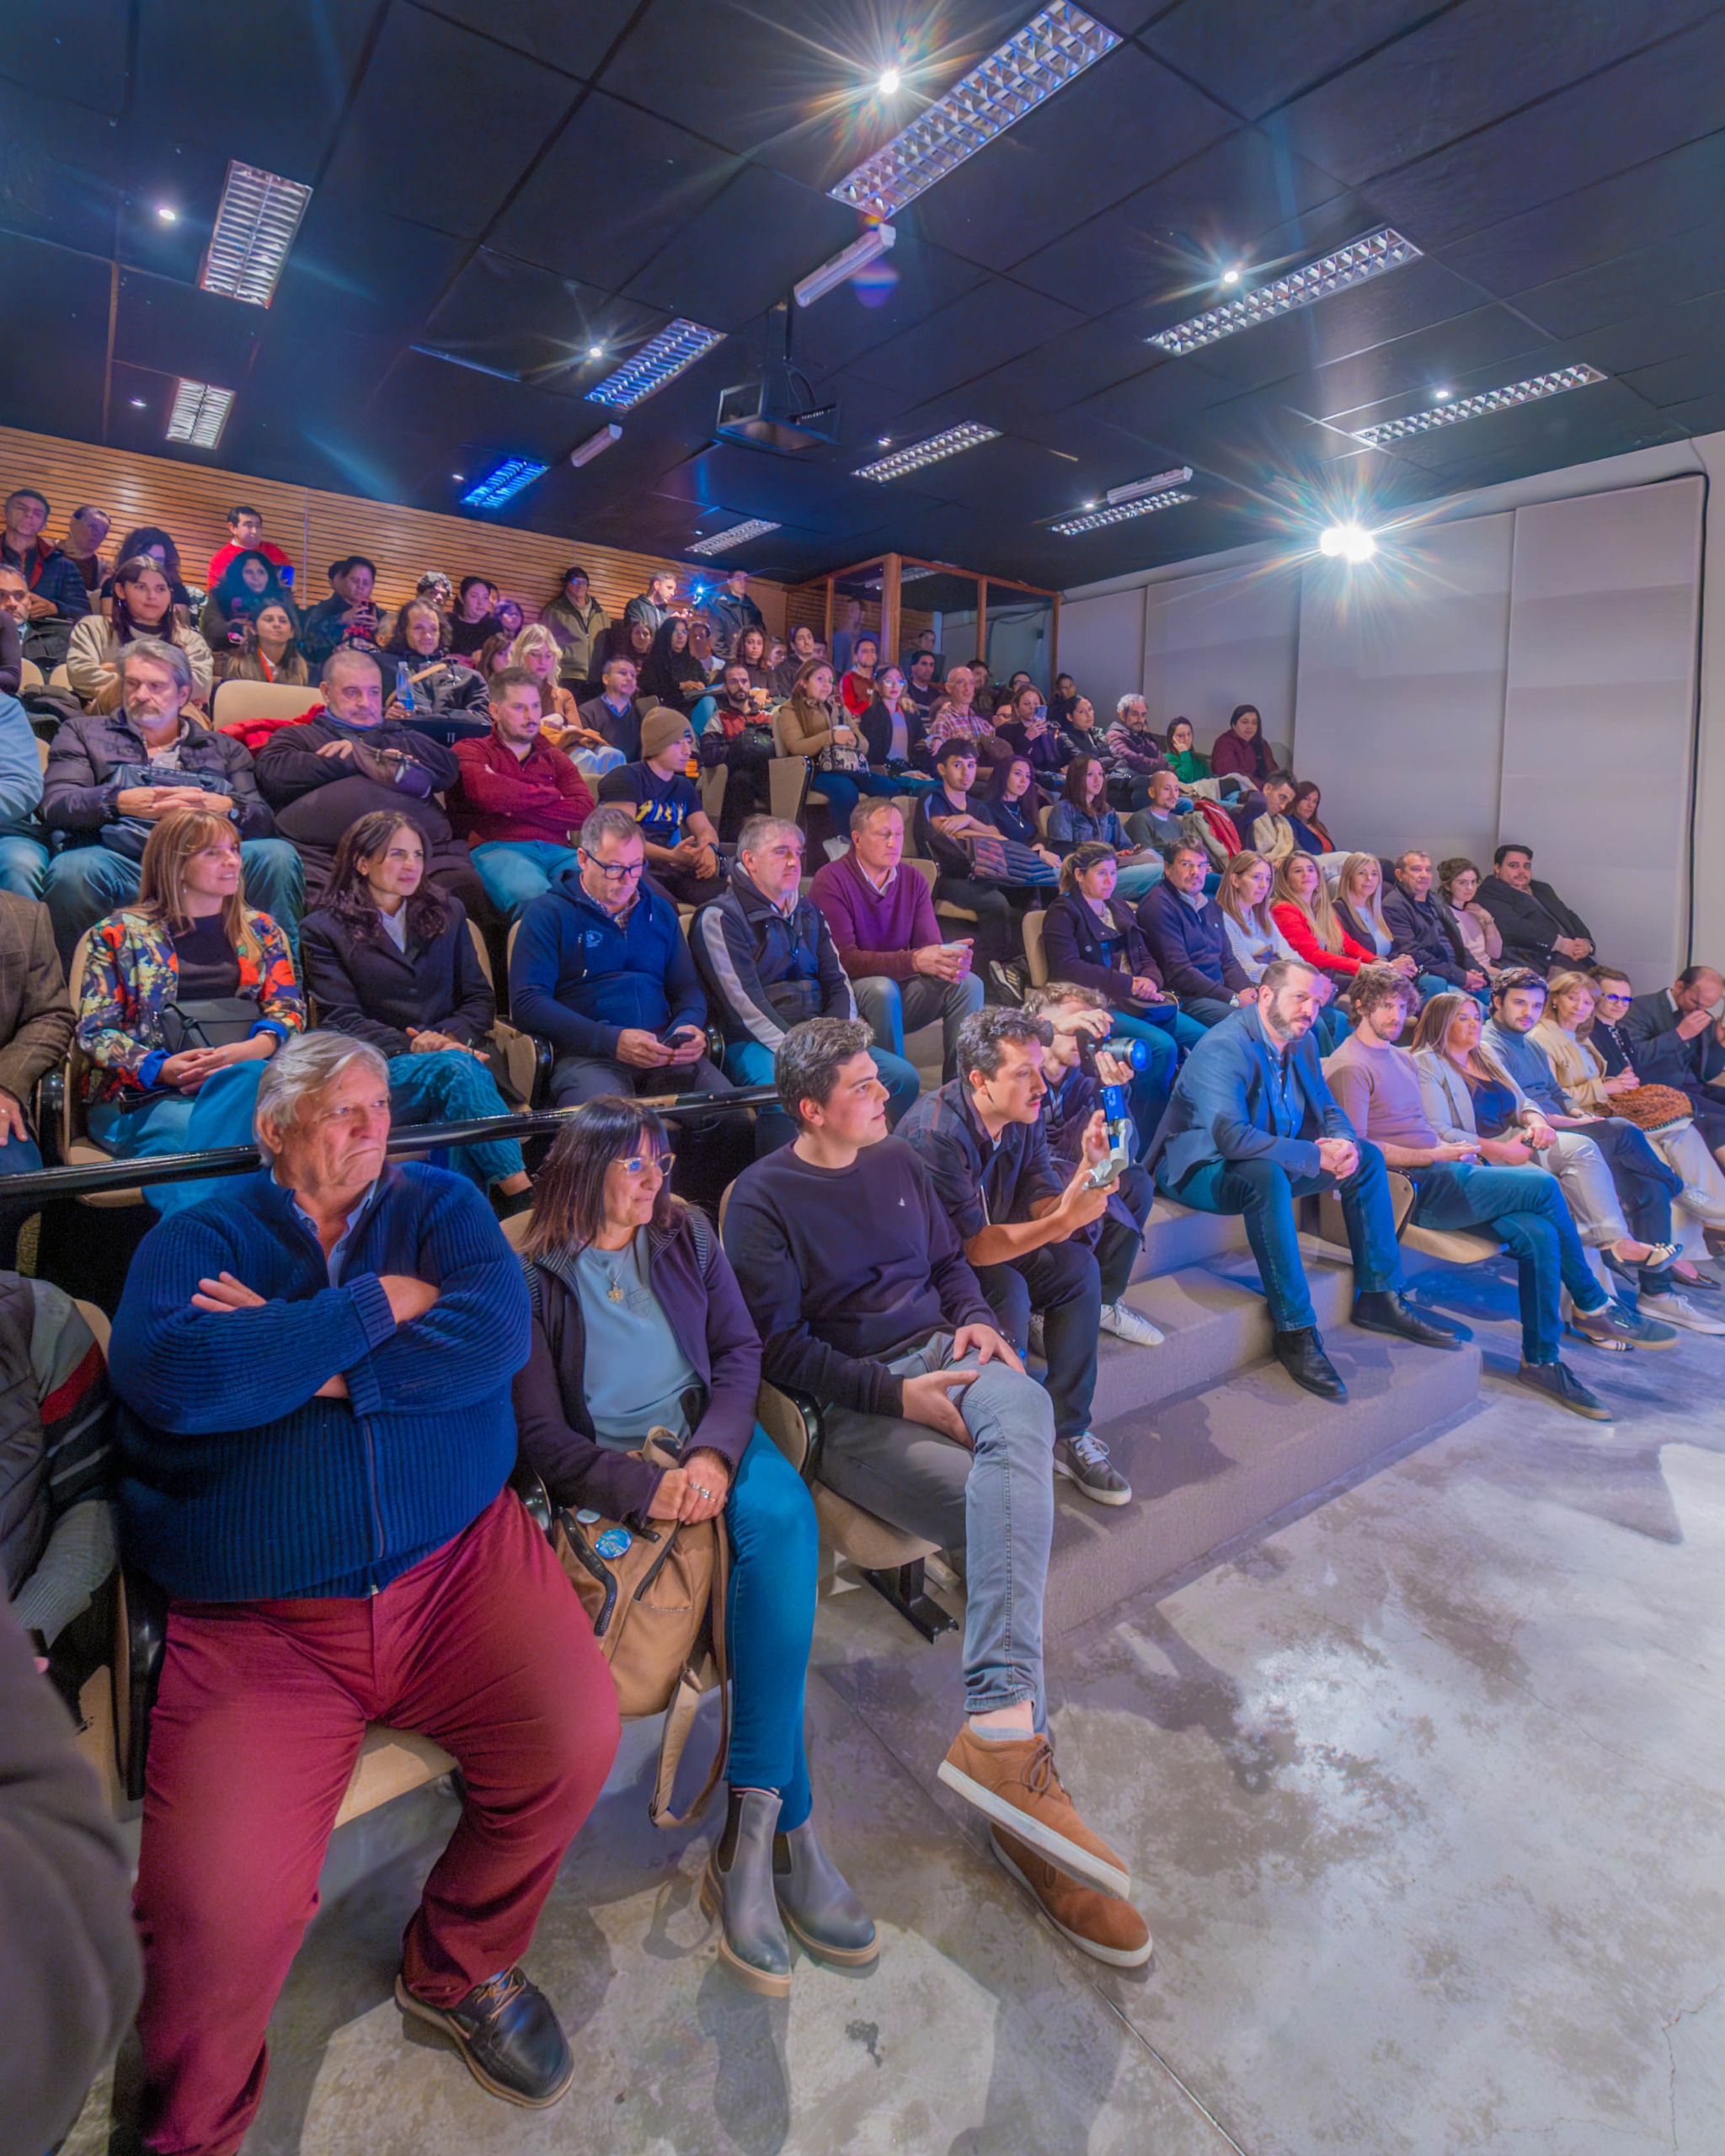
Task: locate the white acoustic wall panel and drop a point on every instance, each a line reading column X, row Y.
column 1599, row 711
column 1228, row 637
column 1401, row 689
column 1102, row 646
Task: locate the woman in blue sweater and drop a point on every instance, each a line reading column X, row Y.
column 639, row 1324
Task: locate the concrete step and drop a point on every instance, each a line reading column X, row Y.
column 1174, row 1235
column 1213, row 1462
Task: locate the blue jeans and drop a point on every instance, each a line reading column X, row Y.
column 775, row 1547
column 1135, row 878
column 516, row 872
column 18, row 1157
column 24, row 863
column 748, row 1063
column 448, row 1086
column 1528, row 1209
column 219, row 1113
column 889, row 1007
column 844, row 789
column 1264, row 1192
column 87, row 883
column 996, row 1500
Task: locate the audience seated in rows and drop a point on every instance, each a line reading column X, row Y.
column 1240, row 750
column 731, row 611
column 87, row 529
column 955, row 830
column 1314, row 928
column 1184, row 759
column 767, row 961
column 903, row 974
column 58, row 598
column 1303, row 814
column 1273, row 834
column 893, row 735
column 520, row 800
column 957, row 717
column 1675, row 1040
column 348, row 617
column 738, row 738
column 1458, row 881
column 612, row 715
column 151, row 539
column 682, row 845
column 1423, row 928
column 143, row 608
column 536, row 650
column 1133, row 752
column 471, row 621
column 247, row 585
column 388, row 959
column 245, row 536
column 578, row 623
column 1082, row 816
column 270, row 649
column 1159, row 824
column 860, row 1291
column 1537, row 928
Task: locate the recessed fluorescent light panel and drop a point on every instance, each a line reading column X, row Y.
column 969, row 436
column 255, row 223
column 503, row 484
column 1447, row 413
column 718, row 542
column 199, row 414
column 1054, row 46
column 1163, row 480
column 1097, row 518
column 660, row 359
column 1349, row 265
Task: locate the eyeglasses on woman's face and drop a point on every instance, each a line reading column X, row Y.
column 643, row 1164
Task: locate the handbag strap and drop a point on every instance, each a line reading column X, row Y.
column 680, row 1715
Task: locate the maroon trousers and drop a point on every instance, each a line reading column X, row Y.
column 484, row 1646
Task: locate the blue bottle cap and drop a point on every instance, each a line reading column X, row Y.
column 588, row 1516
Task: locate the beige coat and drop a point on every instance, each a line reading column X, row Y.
column 95, row 679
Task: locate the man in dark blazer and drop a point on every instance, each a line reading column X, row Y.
column 1537, row 928
column 1252, row 1126
column 1676, row 1041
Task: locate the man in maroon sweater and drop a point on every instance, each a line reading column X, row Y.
column 521, row 799
column 883, row 921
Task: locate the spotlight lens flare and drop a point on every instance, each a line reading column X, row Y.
column 888, row 85
column 1346, row 542
column 1230, row 276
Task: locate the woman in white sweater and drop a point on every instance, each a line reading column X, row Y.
column 143, row 606
column 1244, row 895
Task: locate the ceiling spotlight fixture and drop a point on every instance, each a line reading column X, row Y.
column 660, row 359
column 595, row 351
column 199, row 414
column 1176, row 476
column 887, row 86
column 1442, row 395
column 1348, row 265
column 869, row 248
column 1057, row 43
column 137, row 404
column 947, row 443
column 1231, row 277
column 167, row 212
column 1071, row 527
column 1090, row 504
column 718, row 542
column 1471, row 407
column 503, row 484
column 256, row 220
column 1348, row 542
column 596, row 445
column 882, row 441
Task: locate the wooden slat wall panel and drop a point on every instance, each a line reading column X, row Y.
column 315, row 528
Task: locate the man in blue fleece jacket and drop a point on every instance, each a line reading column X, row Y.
column 314, row 1368
column 600, row 970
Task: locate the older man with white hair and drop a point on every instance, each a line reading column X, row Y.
column 314, row 1367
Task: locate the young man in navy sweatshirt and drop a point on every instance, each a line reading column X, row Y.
column 314, row 1370
column 856, row 1281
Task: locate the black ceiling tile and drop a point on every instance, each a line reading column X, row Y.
column 183, row 331
column 745, row 250
column 1486, row 349
column 59, row 176
column 1428, row 89
column 188, row 57
column 75, row 49
column 1682, row 381
column 1653, row 102
column 1705, row 416
column 1576, row 427
column 754, row 484
column 525, row 321
column 853, row 320
column 574, row 39
column 355, row 268
column 1088, row 357
column 1253, row 54
column 1155, row 405
column 426, row 137
column 980, row 332
column 53, row 384
column 1664, row 273
column 1216, row 204
column 1103, row 456
column 609, row 192
column 1123, row 122
column 1658, row 334
column 168, row 175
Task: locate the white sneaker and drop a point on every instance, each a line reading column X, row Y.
column 1678, row 1310
column 1127, row 1324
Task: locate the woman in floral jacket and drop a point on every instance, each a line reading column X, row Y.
column 183, row 998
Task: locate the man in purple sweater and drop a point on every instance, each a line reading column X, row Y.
column 883, row 921
column 856, row 1282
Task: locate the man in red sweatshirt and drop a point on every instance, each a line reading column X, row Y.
column 520, row 800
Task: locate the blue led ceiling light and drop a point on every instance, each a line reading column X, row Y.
column 660, row 359
column 503, row 484
column 1054, row 45
column 1349, row 265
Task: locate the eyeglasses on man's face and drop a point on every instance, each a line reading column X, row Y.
column 615, row 872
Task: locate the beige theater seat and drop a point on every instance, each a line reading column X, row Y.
column 1034, row 950
column 234, row 702
column 1449, row 1245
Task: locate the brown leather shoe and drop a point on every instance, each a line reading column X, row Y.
column 1014, row 1786
column 1097, row 1924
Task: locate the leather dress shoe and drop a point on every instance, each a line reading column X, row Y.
column 817, row 1903
column 1300, row 1354
column 737, row 1887
column 1387, row 1313
column 506, row 2032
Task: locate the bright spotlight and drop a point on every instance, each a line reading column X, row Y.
column 167, row 212
column 888, row 85
column 595, row 351
column 1346, row 542
column 1442, row 395
column 1231, row 277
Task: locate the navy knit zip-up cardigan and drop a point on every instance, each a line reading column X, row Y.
column 238, row 1484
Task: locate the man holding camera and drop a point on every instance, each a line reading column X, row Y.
column 1025, row 1229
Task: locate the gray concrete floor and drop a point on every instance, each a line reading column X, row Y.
column 1424, row 1796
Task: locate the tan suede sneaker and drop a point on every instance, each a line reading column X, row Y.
column 1014, row 1786
column 1097, row 1924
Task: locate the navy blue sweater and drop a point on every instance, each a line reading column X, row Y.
column 578, row 978
column 1190, row 944
column 238, row 1484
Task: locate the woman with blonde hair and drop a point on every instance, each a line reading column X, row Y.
column 1299, row 906
column 186, row 994
column 537, row 649
column 1256, row 942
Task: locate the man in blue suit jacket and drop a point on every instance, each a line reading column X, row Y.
column 1252, row 1126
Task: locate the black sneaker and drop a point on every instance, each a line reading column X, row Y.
column 1084, row 1460
column 1560, row 1384
column 1006, row 982
column 506, row 2032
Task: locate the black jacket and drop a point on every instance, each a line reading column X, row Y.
column 763, row 973
column 1426, row 930
column 316, row 798
column 876, row 728
column 374, row 992
column 1660, row 1055
column 1528, row 921
column 1073, row 949
column 625, row 733
column 93, row 756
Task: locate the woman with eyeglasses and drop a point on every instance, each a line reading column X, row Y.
column 639, row 1324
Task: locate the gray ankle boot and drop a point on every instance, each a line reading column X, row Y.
column 818, row 1904
column 737, row 1888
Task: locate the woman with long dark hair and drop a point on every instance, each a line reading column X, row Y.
column 494, row 652
column 143, row 606
column 249, row 584
column 388, row 959
column 1239, row 748
column 1082, row 816
column 151, row 540
column 639, row 1324
column 810, row 724
column 1184, row 759
column 269, row 648
column 669, row 676
column 1012, row 803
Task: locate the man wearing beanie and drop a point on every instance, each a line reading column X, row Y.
column 682, row 847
